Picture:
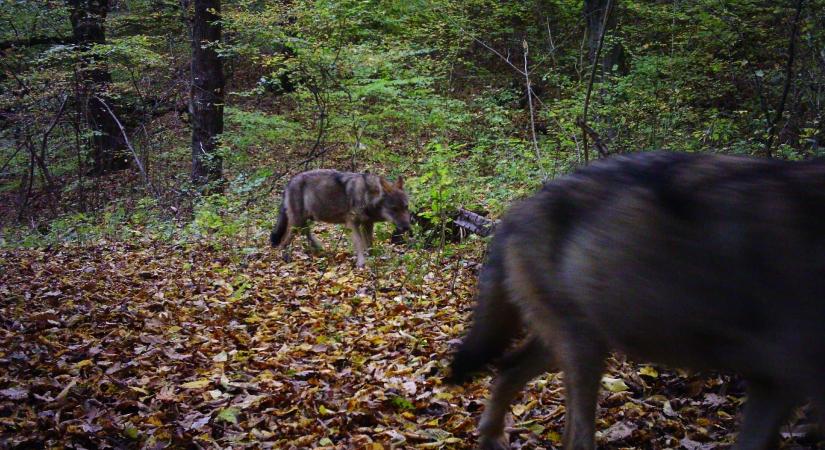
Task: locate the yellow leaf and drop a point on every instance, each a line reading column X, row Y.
column 519, row 409
column 84, row 363
column 197, row 384
column 554, row 437
column 614, row 384
column 154, row 421
column 649, row 371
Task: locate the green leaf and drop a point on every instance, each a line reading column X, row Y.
column 228, row 415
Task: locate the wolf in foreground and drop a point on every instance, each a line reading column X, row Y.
column 355, row 199
column 689, row 260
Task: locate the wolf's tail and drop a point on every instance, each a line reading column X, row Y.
column 496, row 321
column 279, row 231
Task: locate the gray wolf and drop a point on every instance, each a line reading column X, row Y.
column 357, row 200
column 688, row 260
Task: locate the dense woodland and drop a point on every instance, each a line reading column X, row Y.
column 144, row 145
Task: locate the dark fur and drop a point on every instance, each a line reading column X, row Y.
column 695, row 261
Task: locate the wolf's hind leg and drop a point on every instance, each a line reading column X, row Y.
column 517, row 369
column 284, row 245
column 366, row 230
column 765, row 410
column 573, row 341
column 583, row 364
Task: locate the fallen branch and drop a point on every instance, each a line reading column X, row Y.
column 598, row 142
column 475, row 223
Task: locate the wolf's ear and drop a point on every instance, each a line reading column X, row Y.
column 386, row 185
column 399, row 183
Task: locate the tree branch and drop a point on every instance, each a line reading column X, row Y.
column 129, row 144
column 532, row 111
column 607, row 10
column 598, row 143
column 503, row 58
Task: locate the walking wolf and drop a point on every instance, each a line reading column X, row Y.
column 689, row 260
column 355, row 199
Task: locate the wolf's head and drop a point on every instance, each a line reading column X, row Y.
column 394, row 206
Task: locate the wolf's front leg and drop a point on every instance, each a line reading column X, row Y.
column 517, row 368
column 358, row 243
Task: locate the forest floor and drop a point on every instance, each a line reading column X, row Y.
column 149, row 344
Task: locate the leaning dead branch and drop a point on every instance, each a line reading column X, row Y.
column 475, row 223
column 132, row 149
column 598, row 142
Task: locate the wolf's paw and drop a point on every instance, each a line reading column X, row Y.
column 493, row 443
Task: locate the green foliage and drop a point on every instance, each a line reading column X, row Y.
column 395, row 87
column 435, row 191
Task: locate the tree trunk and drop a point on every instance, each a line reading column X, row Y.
column 612, row 55
column 108, row 149
column 206, row 96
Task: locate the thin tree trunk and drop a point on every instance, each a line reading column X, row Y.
column 596, row 28
column 600, row 41
column 87, row 19
column 206, row 97
column 788, row 79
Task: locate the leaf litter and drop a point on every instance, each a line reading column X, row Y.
column 154, row 345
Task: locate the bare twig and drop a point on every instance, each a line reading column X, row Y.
column 552, row 44
column 129, row 145
column 11, row 158
column 503, row 58
column 532, row 111
column 607, row 9
column 44, row 142
column 26, row 188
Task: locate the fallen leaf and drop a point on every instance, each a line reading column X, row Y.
column 197, row 384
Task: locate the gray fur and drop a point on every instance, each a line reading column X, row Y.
column 357, row 200
column 693, row 261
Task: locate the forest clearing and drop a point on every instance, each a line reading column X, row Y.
column 153, row 345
